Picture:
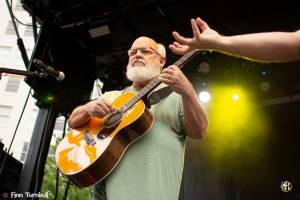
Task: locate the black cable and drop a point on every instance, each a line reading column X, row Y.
column 19, row 21
column 66, row 189
column 34, row 27
column 22, row 23
column 15, row 132
column 57, row 170
column 19, row 40
column 56, row 184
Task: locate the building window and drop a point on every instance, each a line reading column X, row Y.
column 29, row 52
column 13, row 84
column 18, row 55
column 18, row 6
column 4, row 115
column 10, row 30
column 59, row 124
column 4, row 52
column 34, row 114
column 24, row 151
column 28, row 31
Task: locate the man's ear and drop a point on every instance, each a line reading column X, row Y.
column 162, row 62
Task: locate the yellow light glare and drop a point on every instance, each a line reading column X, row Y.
column 236, row 124
column 235, row 97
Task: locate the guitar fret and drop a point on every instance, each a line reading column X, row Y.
column 184, row 58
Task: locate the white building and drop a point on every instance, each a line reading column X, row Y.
column 13, row 89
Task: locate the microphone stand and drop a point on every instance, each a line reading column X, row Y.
column 23, row 73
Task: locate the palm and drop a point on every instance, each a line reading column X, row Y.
column 203, row 38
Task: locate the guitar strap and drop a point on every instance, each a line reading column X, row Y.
column 158, row 95
column 155, row 96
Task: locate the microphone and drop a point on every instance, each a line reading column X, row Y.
column 59, row 75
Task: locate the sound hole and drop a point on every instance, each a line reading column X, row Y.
column 113, row 119
column 111, row 123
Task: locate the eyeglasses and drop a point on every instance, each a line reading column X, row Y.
column 144, row 50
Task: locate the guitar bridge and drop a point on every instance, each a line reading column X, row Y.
column 88, row 138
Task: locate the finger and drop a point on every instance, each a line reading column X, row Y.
column 173, row 68
column 195, row 28
column 168, row 70
column 90, row 107
column 172, row 79
column 202, row 24
column 176, row 49
column 176, row 44
column 95, row 111
column 100, row 112
column 179, row 46
column 102, row 108
column 181, row 39
column 109, row 105
column 166, row 80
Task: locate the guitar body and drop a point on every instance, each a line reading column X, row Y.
column 89, row 153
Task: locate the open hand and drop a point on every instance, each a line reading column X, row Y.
column 205, row 40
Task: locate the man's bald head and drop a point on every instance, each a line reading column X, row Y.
column 141, row 41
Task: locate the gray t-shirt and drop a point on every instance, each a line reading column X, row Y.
column 151, row 168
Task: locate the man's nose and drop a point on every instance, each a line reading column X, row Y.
column 138, row 53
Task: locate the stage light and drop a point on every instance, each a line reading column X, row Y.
column 264, row 72
column 49, row 98
column 235, row 97
column 203, row 67
column 204, row 96
column 234, row 127
column 265, row 86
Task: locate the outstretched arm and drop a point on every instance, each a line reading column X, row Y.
column 269, row 46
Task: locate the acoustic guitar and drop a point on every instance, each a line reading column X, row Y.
column 89, row 153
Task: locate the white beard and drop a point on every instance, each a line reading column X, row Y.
column 142, row 73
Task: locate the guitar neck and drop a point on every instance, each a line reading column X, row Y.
column 148, row 88
column 186, row 58
column 153, row 84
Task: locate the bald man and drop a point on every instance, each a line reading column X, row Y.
column 152, row 167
